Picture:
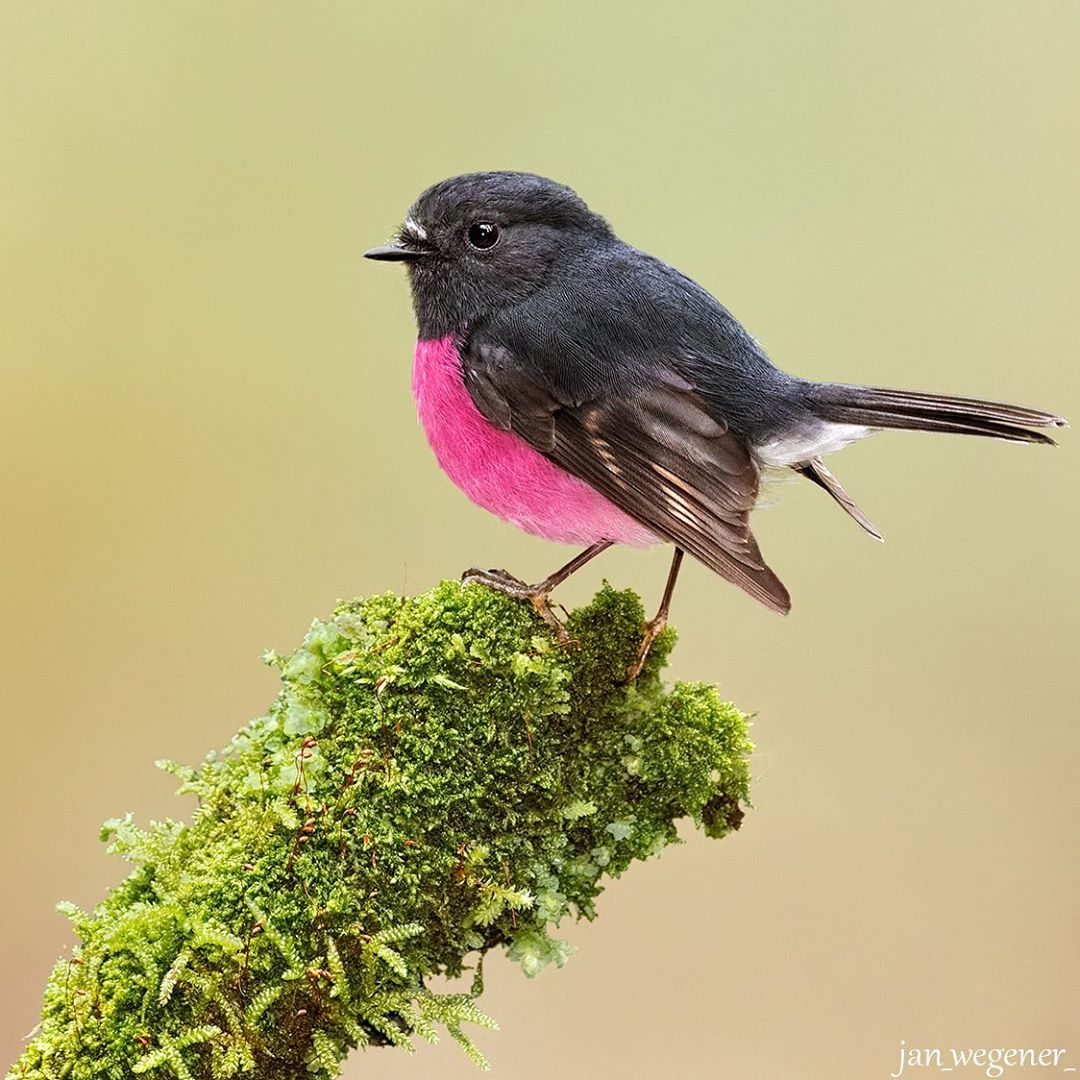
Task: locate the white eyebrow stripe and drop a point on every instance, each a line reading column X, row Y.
column 414, row 228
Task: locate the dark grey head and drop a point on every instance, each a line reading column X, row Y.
column 476, row 242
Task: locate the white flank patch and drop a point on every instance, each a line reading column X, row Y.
column 797, row 446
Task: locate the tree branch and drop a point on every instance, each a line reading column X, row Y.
column 437, row 778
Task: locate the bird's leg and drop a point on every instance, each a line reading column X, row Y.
column 536, row 594
column 655, row 625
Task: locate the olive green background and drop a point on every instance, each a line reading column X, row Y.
column 207, row 437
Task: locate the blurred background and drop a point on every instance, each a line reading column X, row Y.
column 207, row 438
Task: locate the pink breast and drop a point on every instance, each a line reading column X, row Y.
column 500, row 471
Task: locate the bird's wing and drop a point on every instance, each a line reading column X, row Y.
column 654, row 451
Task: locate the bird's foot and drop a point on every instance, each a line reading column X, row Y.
column 500, row 580
column 537, row 595
column 652, row 629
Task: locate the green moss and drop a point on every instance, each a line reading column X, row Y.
column 436, row 779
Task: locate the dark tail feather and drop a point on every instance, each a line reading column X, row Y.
column 877, row 407
column 815, row 470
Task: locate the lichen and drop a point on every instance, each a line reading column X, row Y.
column 437, row 778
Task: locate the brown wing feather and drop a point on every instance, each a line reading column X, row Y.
column 656, row 453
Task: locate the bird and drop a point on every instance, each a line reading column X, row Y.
column 592, row 394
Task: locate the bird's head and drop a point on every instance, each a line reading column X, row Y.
column 477, row 242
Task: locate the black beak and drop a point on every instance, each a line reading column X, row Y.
column 396, row 253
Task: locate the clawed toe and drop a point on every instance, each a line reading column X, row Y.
column 652, row 630
column 498, row 579
column 537, row 595
column 544, row 610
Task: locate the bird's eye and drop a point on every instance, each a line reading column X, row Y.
column 483, row 235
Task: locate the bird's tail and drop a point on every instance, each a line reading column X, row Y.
column 878, row 407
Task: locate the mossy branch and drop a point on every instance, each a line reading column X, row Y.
column 437, row 778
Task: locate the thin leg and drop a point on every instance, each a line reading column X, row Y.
column 552, row 581
column 658, row 623
column 537, row 594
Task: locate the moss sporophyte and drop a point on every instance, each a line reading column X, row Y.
column 437, row 778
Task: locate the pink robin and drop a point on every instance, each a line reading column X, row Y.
column 592, row 394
